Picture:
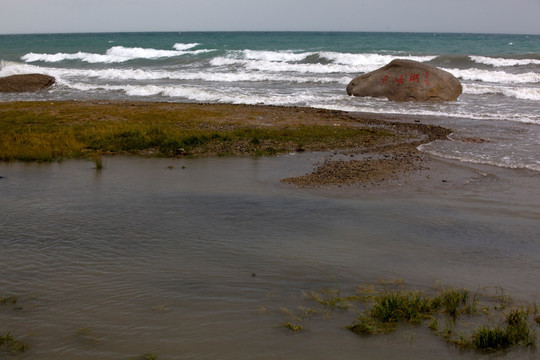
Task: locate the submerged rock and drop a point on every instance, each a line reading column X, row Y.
column 25, row 83
column 407, row 80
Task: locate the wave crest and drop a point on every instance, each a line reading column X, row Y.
column 503, row 62
column 116, row 54
column 500, row 77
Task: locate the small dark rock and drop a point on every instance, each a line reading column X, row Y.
column 25, row 83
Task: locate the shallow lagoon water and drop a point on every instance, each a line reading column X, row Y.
column 194, row 258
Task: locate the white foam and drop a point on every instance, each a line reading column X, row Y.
column 116, row 54
column 501, row 77
column 8, row 68
column 273, row 56
column 500, row 62
column 288, row 61
column 478, row 158
column 367, row 60
column 205, row 94
column 182, row 47
column 282, row 67
column 524, row 93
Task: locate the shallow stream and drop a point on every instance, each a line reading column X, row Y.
column 196, row 259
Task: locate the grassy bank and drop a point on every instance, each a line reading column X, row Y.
column 45, row 131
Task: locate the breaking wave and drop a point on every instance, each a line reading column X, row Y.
column 500, row 77
column 524, row 93
column 116, row 54
column 503, row 62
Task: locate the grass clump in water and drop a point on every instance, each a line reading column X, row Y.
column 391, row 308
column 9, row 344
column 98, row 161
column 292, row 326
column 456, row 301
column 468, row 316
column 516, row 331
column 331, row 298
column 11, row 299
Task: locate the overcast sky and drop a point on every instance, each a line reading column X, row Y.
column 485, row 16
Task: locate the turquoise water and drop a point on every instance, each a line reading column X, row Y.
column 14, row 46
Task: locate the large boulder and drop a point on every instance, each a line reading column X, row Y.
column 25, row 83
column 407, row 80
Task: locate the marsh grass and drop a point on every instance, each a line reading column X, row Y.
column 330, row 298
column 11, row 299
column 98, row 161
column 40, row 131
column 292, row 326
column 457, row 301
column 516, row 331
column 7, row 342
column 11, row 345
column 382, row 307
column 393, row 307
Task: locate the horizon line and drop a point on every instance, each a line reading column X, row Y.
column 266, row 31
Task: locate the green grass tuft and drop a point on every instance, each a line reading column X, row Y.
column 385, row 310
column 391, row 308
column 292, row 326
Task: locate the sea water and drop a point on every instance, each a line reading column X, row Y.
column 500, row 76
column 206, row 258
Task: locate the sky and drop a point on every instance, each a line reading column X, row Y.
column 481, row 16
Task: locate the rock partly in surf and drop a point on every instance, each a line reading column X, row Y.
column 407, row 80
column 25, row 83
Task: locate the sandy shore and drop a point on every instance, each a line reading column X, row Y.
column 370, row 159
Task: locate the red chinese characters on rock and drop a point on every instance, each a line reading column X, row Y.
column 413, row 78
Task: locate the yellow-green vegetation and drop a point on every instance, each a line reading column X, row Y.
column 44, row 131
column 292, row 326
column 9, row 344
column 391, row 308
column 481, row 321
column 11, row 299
